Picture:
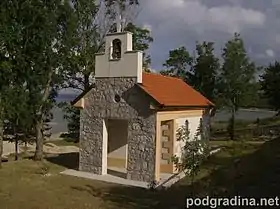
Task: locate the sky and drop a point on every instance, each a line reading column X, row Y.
column 175, row 23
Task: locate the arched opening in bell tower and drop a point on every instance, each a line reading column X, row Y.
column 116, row 49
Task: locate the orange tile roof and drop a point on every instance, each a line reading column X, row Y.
column 170, row 91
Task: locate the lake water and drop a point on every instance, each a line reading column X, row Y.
column 60, row 125
column 245, row 114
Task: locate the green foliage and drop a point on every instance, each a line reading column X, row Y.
column 268, row 121
column 18, row 123
column 205, row 70
column 114, row 8
column 13, row 101
column 270, row 84
column 72, row 116
column 88, row 19
column 236, row 78
column 178, row 64
column 122, row 2
column 36, row 40
column 199, row 71
column 5, row 68
column 237, row 75
column 141, row 41
column 194, row 151
column 88, row 41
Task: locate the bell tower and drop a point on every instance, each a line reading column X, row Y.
column 119, row 59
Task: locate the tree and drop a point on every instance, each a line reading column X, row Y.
column 17, row 124
column 56, row 43
column 89, row 40
column 93, row 21
column 205, row 70
column 52, row 39
column 178, row 64
column 5, row 78
column 199, row 70
column 37, row 38
column 141, row 41
column 194, row 151
column 6, row 68
column 236, row 78
column 1, row 143
column 124, row 11
column 72, row 116
column 270, row 84
column 18, row 118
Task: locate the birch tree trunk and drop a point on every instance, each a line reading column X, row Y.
column 39, row 123
column 39, row 141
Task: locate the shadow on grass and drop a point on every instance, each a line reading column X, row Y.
column 67, row 160
column 252, row 175
column 123, row 196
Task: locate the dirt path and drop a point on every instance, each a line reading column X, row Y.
column 8, row 148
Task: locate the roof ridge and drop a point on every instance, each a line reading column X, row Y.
column 171, row 77
column 166, row 76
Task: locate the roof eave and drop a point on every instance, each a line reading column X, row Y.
column 81, row 96
column 184, row 107
column 156, row 104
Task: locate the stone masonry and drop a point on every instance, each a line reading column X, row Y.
column 134, row 107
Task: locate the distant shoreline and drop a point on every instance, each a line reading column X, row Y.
column 258, row 110
column 66, row 97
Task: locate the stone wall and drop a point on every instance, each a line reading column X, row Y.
column 134, row 107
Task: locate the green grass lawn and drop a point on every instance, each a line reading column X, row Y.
column 222, row 125
column 23, row 185
column 228, row 143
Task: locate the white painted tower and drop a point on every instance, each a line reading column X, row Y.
column 119, row 59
